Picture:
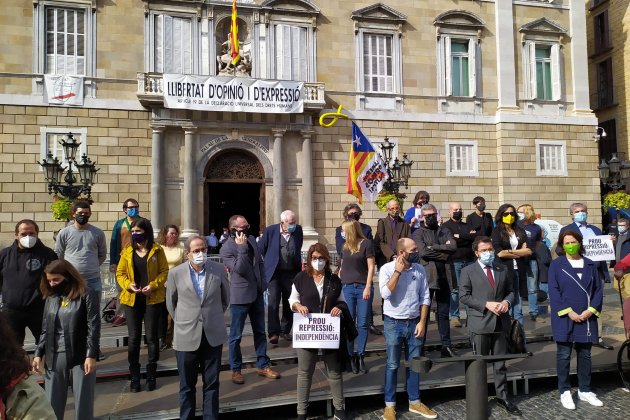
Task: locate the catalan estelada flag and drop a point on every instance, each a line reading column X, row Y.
column 366, row 171
column 236, row 56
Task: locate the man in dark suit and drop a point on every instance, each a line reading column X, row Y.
column 197, row 295
column 488, row 294
column 247, row 284
column 281, row 248
column 388, row 231
column 579, row 214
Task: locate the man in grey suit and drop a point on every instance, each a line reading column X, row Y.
column 486, row 291
column 197, row 295
column 247, row 283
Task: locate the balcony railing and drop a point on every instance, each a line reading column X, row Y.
column 151, row 92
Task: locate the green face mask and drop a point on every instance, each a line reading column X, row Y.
column 571, row 249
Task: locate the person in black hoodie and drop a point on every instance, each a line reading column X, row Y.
column 21, row 268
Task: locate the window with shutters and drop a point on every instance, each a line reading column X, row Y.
column 551, row 158
column 542, row 56
column 378, row 57
column 605, row 84
column 602, row 32
column 291, row 51
column 173, row 44
column 378, row 70
column 50, row 142
column 65, row 41
column 461, row 158
column 459, row 34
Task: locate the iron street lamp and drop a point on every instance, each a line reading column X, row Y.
column 71, row 188
column 613, row 173
column 398, row 172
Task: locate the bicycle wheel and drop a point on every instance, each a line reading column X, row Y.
column 624, row 350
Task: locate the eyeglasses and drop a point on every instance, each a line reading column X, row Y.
column 430, row 214
column 318, row 259
column 510, row 213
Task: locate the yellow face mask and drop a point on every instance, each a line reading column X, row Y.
column 509, row 219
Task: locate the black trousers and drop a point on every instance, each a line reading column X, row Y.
column 495, row 344
column 135, row 315
column 442, row 298
column 20, row 319
column 279, row 291
column 207, row 360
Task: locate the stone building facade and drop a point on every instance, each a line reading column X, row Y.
column 607, row 25
column 487, row 97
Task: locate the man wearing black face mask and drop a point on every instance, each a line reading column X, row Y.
column 463, row 256
column 436, row 244
column 84, row 246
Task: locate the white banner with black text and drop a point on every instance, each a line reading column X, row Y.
column 233, row 94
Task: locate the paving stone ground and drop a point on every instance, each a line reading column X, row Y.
column 542, row 403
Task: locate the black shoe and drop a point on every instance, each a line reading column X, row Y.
column 101, row 356
column 603, row 345
column 510, row 407
column 533, row 317
column 134, row 386
column 340, row 415
column 273, row 339
column 362, row 367
column 354, row 364
column 151, row 372
column 447, row 351
column 375, row 330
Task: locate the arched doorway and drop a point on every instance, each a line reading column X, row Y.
column 235, row 184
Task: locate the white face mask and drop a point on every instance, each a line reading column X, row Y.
column 200, row 258
column 28, row 241
column 318, row 265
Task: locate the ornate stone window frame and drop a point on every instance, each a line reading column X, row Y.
column 39, row 42
column 296, row 13
column 547, row 33
column 379, row 19
column 462, row 26
column 189, row 10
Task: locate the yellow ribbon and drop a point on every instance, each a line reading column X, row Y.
column 334, row 116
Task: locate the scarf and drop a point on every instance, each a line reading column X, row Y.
column 8, row 390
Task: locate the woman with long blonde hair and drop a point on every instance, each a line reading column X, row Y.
column 357, row 270
column 527, row 217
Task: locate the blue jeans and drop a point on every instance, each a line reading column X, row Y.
column 238, row 313
column 97, row 285
column 563, row 363
column 399, row 333
column 360, row 311
column 454, row 308
column 532, row 287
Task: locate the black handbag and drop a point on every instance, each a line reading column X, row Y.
column 516, row 338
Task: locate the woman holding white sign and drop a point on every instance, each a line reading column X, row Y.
column 575, row 294
column 318, row 290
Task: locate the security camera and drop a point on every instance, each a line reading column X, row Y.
column 600, row 133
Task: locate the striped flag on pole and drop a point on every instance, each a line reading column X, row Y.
column 236, row 56
column 366, row 169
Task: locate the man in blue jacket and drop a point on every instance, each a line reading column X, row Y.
column 281, row 248
column 579, row 214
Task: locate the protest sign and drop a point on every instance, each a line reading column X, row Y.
column 599, row 248
column 316, row 331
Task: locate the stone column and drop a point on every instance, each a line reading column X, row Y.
column 506, row 64
column 278, row 174
column 306, row 200
column 190, row 187
column 157, row 178
column 579, row 57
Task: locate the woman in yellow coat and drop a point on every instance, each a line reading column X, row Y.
column 141, row 274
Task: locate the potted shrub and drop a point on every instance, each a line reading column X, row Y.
column 617, row 204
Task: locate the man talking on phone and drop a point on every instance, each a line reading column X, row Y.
column 247, row 284
column 405, row 291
